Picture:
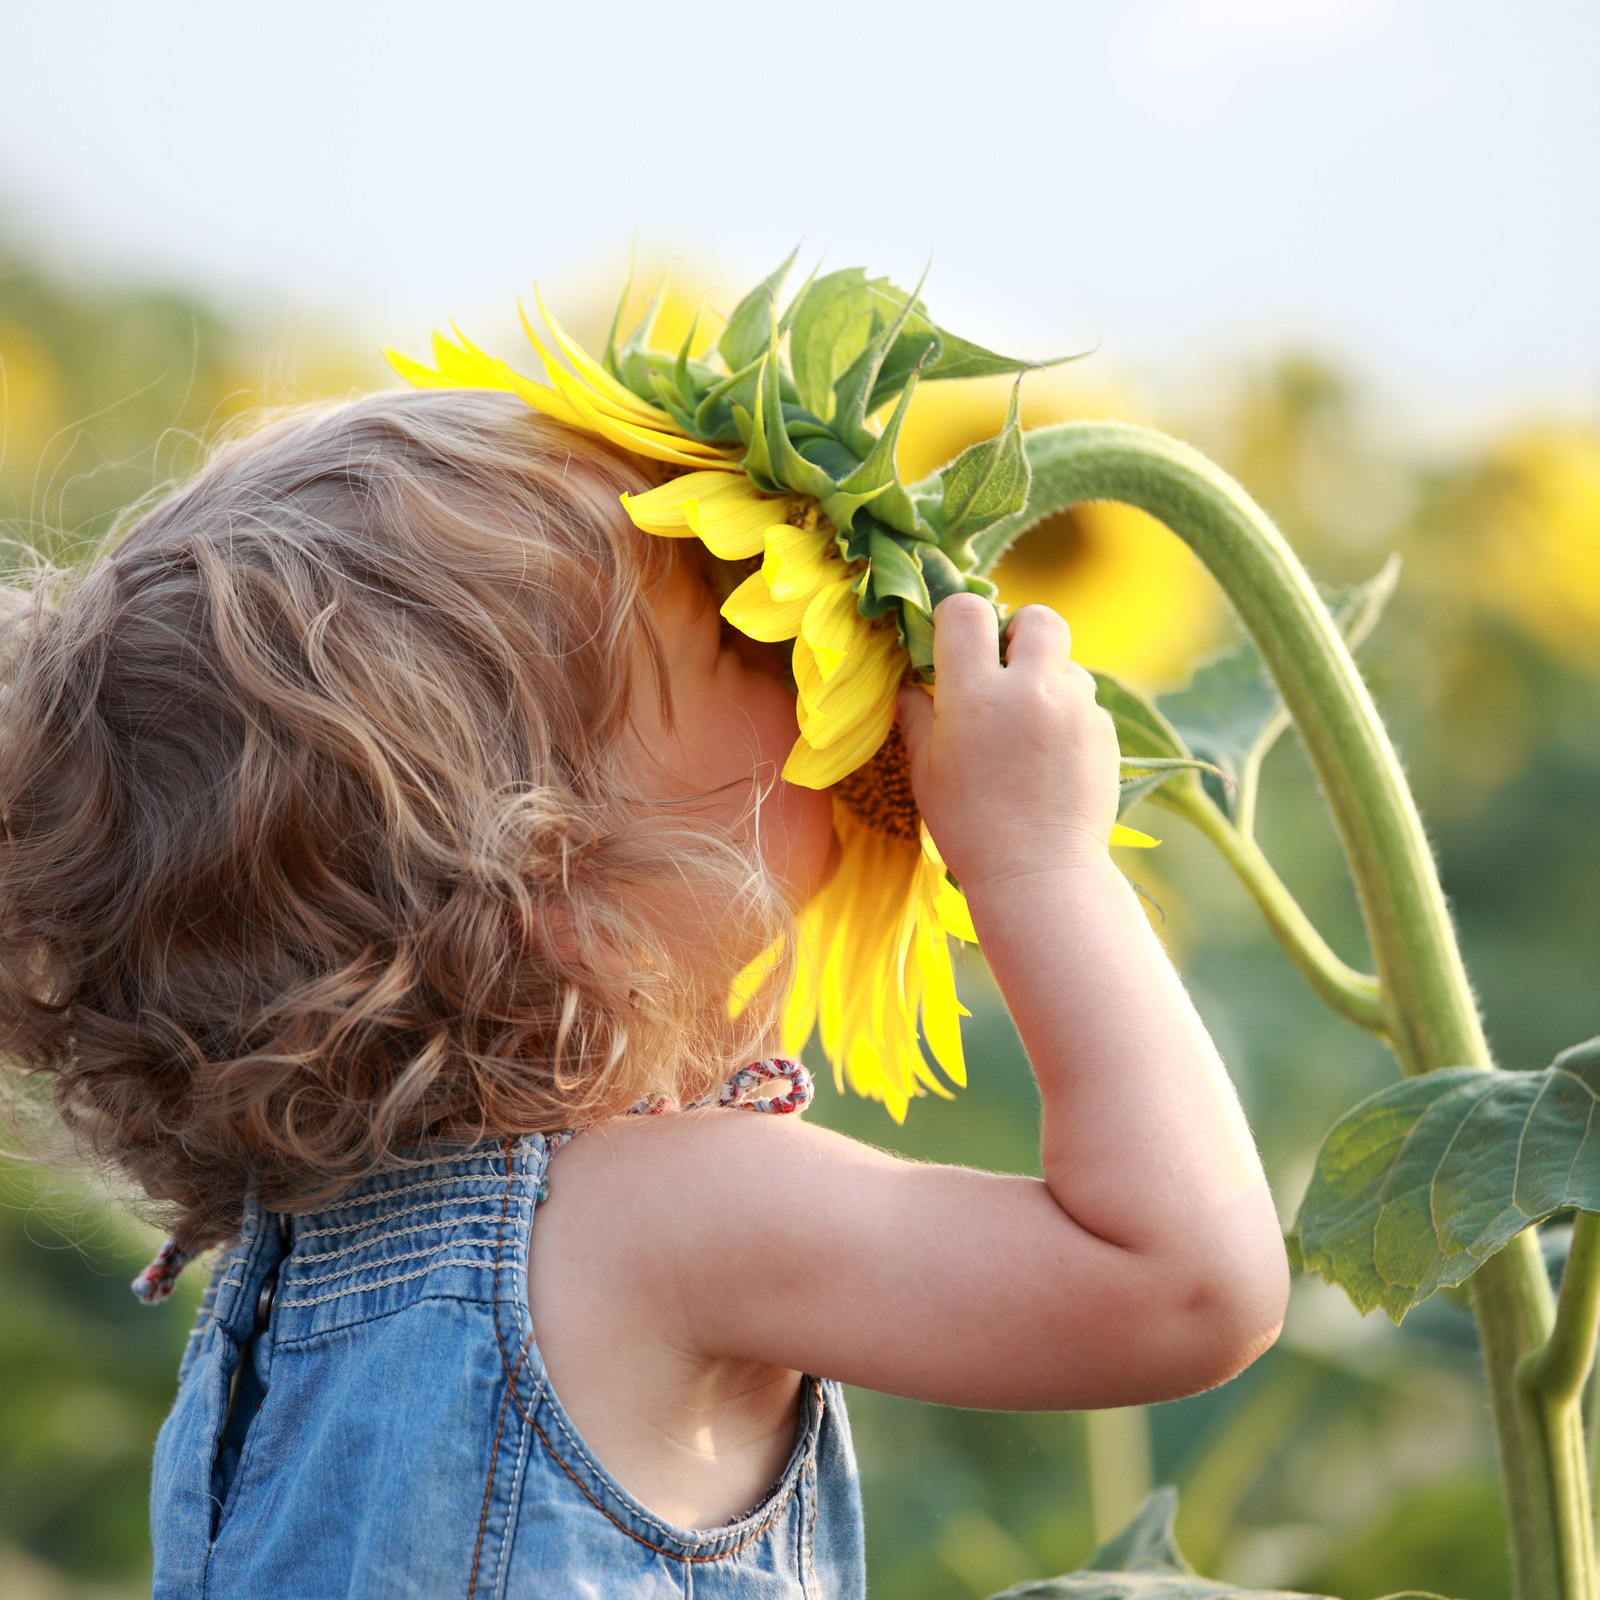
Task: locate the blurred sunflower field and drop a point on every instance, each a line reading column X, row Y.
column 1355, row 1458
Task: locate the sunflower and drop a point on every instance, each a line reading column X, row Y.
column 773, row 455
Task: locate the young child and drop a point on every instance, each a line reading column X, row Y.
column 382, row 808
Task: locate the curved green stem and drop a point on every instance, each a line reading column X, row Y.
column 1559, row 1371
column 1353, row 994
column 1428, row 1013
column 1552, row 1381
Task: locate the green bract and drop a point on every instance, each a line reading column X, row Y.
column 800, row 391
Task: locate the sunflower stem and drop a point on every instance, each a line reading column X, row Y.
column 1428, row 1014
column 1352, row 994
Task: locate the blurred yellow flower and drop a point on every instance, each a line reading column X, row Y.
column 1532, row 551
column 32, row 405
column 1139, row 604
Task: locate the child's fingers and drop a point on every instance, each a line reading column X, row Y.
column 914, row 711
column 1039, row 638
column 966, row 643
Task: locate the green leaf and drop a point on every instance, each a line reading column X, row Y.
column 984, row 483
column 749, row 329
column 896, row 572
column 1141, row 1563
column 1422, row 1182
column 1140, row 778
column 1231, row 712
column 1229, row 705
column 833, row 324
column 1142, row 731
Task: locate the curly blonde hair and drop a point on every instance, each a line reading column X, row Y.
column 319, row 841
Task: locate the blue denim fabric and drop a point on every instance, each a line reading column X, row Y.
column 396, row 1433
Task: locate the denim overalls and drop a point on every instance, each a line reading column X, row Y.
column 393, row 1432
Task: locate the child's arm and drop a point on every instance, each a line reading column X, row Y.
column 1147, row 1264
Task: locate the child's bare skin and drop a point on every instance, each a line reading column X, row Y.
column 686, row 1270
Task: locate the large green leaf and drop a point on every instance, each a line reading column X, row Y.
column 1419, row 1184
column 1141, row 1563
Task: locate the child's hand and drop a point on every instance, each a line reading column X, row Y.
column 1014, row 766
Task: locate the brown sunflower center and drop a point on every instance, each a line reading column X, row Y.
column 879, row 793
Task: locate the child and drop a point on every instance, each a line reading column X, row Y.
column 383, row 807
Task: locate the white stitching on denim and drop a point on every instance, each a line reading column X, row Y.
column 376, row 1197
column 384, row 1283
column 488, row 1217
column 298, row 1282
column 407, row 1211
column 508, row 1528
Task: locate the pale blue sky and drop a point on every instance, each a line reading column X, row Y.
column 1410, row 185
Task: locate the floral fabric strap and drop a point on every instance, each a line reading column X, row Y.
column 156, row 1282
column 776, row 1068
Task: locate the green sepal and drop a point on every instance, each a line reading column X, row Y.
column 633, row 365
column 737, row 389
column 960, row 358
column 895, row 571
column 942, row 576
column 836, row 459
column 834, row 321
column 876, row 483
column 854, row 389
column 783, row 463
column 608, row 358
column 749, row 331
column 752, row 431
column 985, row 483
column 687, row 397
column 916, row 634
column 666, row 396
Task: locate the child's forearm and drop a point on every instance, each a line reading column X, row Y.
column 1142, row 1129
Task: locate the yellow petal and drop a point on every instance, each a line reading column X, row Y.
column 811, row 768
column 860, row 694
column 731, row 531
column 753, row 611
column 656, row 443
column 660, row 510
column 750, row 978
column 834, row 626
column 950, row 906
column 941, row 1010
column 605, row 386
column 1132, row 838
column 800, row 1014
column 799, row 562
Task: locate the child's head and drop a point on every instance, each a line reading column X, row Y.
column 325, row 836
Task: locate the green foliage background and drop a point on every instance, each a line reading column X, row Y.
column 1354, row 1458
